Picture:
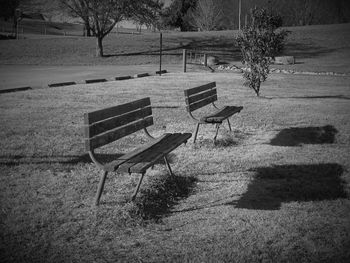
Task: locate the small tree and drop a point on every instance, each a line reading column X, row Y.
column 259, row 43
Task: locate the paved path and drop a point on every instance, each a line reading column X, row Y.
column 16, row 76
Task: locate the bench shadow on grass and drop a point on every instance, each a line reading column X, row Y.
column 275, row 185
column 296, row 136
column 161, row 193
column 14, row 160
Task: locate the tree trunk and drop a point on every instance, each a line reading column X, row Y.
column 99, row 47
column 88, row 29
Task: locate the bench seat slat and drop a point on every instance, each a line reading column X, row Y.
column 189, row 92
column 221, row 114
column 166, row 148
column 116, row 134
column 151, row 154
column 114, row 165
column 103, row 114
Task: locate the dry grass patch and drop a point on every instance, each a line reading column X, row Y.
column 243, row 199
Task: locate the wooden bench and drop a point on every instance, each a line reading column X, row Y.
column 108, row 125
column 201, row 96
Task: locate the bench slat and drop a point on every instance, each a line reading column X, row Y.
column 103, row 114
column 222, row 114
column 200, row 104
column 149, row 154
column 116, row 134
column 141, row 163
column 201, row 96
column 112, row 123
column 189, row 92
column 141, row 167
column 114, row 165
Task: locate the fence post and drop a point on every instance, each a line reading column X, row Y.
column 184, row 59
column 160, row 53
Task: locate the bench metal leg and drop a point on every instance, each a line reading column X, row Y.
column 229, row 125
column 217, row 130
column 168, row 165
column 196, row 132
column 100, row 187
column 137, row 187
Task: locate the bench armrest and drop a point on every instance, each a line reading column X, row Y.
column 95, row 161
column 215, row 106
column 192, row 117
column 148, row 134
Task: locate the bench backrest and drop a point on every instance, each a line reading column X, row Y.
column 110, row 124
column 200, row 96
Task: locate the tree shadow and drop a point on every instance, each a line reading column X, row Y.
column 161, row 193
column 67, row 160
column 308, row 135
column 223, row 48
column 226, row 48
column 275, row 185
column 341, row 97
column 14, row 160
column 154, row 52
column 306, row 50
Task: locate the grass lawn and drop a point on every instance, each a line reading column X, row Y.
column 276, row 189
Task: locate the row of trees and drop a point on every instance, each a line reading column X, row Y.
column 100, row 16
column 223, row 14
column 190, row 14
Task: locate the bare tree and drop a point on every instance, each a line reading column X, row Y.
column 103, row 15
column 79, row 8
column 149, row 14
column 208, row 15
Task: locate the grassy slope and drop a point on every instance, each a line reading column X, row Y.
column 246, row 199
column 319, row 48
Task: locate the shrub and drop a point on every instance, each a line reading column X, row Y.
column 259, row 43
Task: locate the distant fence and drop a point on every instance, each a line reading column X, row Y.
column 196, row 57
column 40, row 27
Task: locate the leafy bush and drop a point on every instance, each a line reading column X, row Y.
column 259, row 43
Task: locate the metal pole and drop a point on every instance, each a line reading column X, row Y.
column 160, row 53
column 18, row 15
column 239, row 14
column 17, row 29
column 184, row 59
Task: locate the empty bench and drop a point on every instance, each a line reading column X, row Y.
column 201, row 96
column 108, row 125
